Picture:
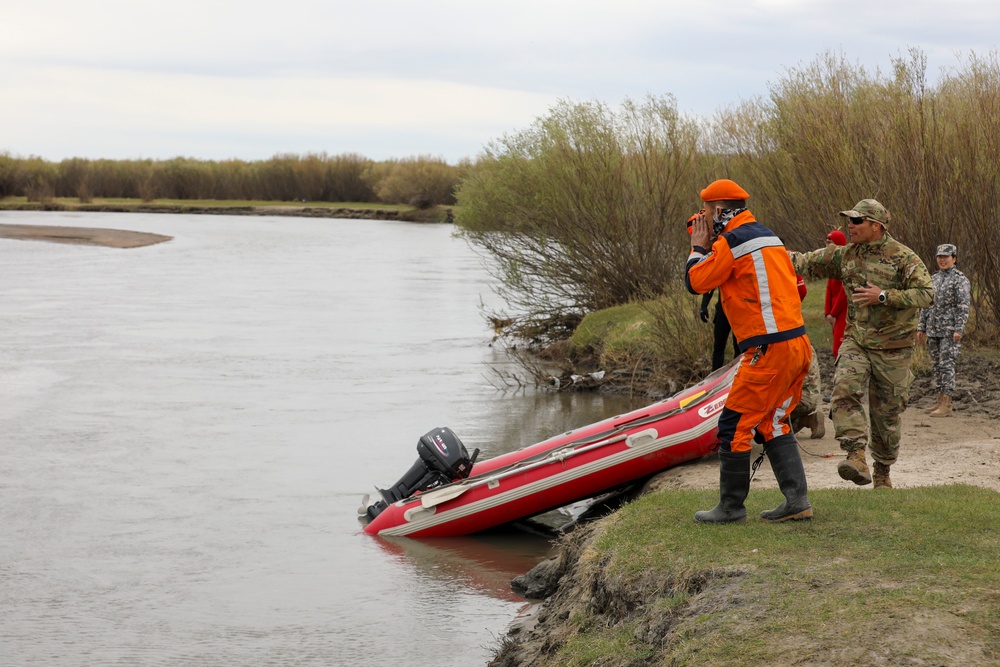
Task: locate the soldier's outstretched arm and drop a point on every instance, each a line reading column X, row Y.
column 822, row 263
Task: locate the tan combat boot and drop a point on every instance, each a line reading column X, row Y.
column 817, row 427
column 937, row 404
column 943, row 408
column 797, row 423
column 855, row 468
column 881, row 476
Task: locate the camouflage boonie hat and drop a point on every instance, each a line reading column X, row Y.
column 947, row 249
column 870, row 210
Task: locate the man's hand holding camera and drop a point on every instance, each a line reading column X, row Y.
column 701, row 231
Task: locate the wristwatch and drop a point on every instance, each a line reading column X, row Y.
column 881, row 296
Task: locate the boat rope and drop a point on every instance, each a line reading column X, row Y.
column 756, row 464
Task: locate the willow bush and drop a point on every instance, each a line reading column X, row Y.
column 832, row 133
column 583, row 210
column 10, row 175
column 421, row 181
column 970, row 110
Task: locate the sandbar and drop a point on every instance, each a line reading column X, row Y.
column 109, row 238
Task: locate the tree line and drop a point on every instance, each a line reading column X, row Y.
column 420, row 181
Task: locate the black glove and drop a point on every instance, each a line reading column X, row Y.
column 704, row 314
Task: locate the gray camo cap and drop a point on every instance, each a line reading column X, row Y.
column 947, row 249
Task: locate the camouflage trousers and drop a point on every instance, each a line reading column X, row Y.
column 883, row 379
column 812, row 392
column 944, row 353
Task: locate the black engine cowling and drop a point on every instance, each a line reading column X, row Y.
column 442, row 459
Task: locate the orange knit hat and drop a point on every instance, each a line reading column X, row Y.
column 724, row 190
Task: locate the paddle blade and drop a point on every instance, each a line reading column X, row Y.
column 442, row 495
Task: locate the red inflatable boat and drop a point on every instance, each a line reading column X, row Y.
column 447, row 493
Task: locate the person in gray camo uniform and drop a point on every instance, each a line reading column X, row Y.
column 943, row 324
column 886, row 285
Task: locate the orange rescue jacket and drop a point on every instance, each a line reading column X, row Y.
column 756, row 281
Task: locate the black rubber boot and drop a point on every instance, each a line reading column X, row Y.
column 734, row 485
column 783, row 453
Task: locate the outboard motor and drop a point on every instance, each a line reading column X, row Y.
column 443, row 459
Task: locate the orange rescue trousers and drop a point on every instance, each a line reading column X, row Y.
column 767, row 387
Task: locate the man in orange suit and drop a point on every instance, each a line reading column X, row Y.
column 748, row 264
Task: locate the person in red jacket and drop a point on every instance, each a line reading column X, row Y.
column 835, row 306
column 749, row 265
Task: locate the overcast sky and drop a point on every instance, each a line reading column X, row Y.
column 396, row 78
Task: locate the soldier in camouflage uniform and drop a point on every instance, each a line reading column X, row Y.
column 807, row 413
column 943, row 324
column 886, row 284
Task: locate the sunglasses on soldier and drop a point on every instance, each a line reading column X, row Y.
column 856, row 221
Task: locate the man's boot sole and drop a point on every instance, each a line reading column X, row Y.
column 804, row 515
column 852, row 474
column 742, row 519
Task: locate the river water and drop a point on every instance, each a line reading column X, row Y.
column 187, row 431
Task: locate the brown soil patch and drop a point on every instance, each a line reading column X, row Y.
column 964, row 448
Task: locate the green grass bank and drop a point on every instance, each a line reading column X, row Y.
column 905, row 577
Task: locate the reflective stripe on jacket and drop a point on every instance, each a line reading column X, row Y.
column 756, row 280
